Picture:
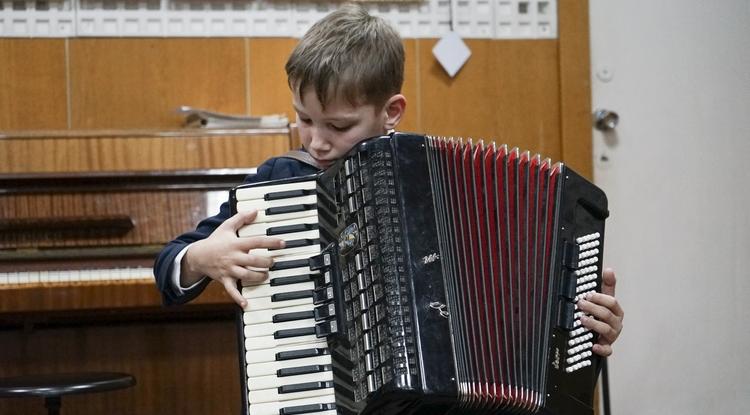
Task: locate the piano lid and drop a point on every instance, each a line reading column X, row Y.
column 96, row 210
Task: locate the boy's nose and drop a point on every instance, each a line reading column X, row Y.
column 318, row 141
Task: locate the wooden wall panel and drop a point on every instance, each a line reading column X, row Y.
column 463, row 105
column 138, row 83
column 137, row 153
column 527, row 108
column 411, row 120
column 575, row 86
column 32, row 84
column 269, row 92
column 186, row 368
column 508, row 92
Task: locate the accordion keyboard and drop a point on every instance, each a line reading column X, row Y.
column 287, row 361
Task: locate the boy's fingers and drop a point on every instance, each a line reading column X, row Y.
column 608, row 281
column 606, row 332
column 598, row 312
column 230, row 285
column 606, row 305
column 239, row 220
column 251, row 275
column 255, row 261
column 603, row 350
column 606, row 315
column 256, row 242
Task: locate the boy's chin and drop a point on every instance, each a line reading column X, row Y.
column 324, row 164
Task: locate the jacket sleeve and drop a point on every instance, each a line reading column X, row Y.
column 275, row 168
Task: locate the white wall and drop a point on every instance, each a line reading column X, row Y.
column 679, row 187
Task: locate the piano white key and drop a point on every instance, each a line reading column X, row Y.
column 122, row 274
column 266, row 316
column 292, row 257
column 268, row 342
column 14, row 278
column 291, row 271
column 260, row 204
column 273, row 408
column 266, row 303
column 269, row 355
column 267, row 382
column 273, row 395
column 260, row 192
column 308, row 249
column 270, row 368
column 259, row 229
column 288, row 271
column 84, row 275
column 266, row 290
column 263, row 218
column 268, row 329
column 311, row 234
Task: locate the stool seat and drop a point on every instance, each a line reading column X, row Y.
column 53, row 386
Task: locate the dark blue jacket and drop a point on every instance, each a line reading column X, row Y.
column 275, row 168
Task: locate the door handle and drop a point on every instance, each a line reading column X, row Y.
column 605, row 120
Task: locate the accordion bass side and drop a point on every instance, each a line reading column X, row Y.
column 424, row 276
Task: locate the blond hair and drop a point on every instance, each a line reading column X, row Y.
column 348, row 54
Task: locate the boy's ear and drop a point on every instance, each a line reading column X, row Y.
column 393, row 111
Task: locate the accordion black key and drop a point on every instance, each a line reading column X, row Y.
column 423, row 276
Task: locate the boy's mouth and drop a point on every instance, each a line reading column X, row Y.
column 324, row 163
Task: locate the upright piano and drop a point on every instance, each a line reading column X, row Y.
column 77, row 291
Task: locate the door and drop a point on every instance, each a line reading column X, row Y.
column 676, row 173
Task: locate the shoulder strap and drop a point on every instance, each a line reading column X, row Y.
column 303, row 157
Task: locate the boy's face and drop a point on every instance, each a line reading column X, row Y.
column 329, row 134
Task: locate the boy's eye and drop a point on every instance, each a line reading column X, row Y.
column 304, row 120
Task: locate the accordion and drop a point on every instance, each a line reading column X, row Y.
column 423, row 275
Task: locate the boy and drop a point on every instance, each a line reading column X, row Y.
column 345, row 75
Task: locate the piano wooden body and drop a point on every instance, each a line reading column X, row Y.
column 76, row 288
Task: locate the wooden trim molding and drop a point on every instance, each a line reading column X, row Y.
column 575, row 85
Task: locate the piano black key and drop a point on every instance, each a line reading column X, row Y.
column 292, row 279
column 302, row 370
column 288, row 194
column 326, row 328
column 322, row 294
column 302, row 387
column 324, row 311
column 300, row 315
column 300, row 227
column 321, row 260
column 292, row 295
column 303, row 331
column 296, row 243
column 306, row 409
column 278, row 210
column 295, row 263
column 300, row 354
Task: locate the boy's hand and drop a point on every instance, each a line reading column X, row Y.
column 225, row 257
column 607, row 313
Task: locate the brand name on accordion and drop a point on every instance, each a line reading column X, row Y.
column 429, row 259
column 556, row 361
column 442, row 308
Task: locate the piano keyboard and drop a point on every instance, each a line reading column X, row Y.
column 83, row 275
column 288, row 367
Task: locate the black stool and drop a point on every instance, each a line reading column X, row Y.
column 52, row 387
